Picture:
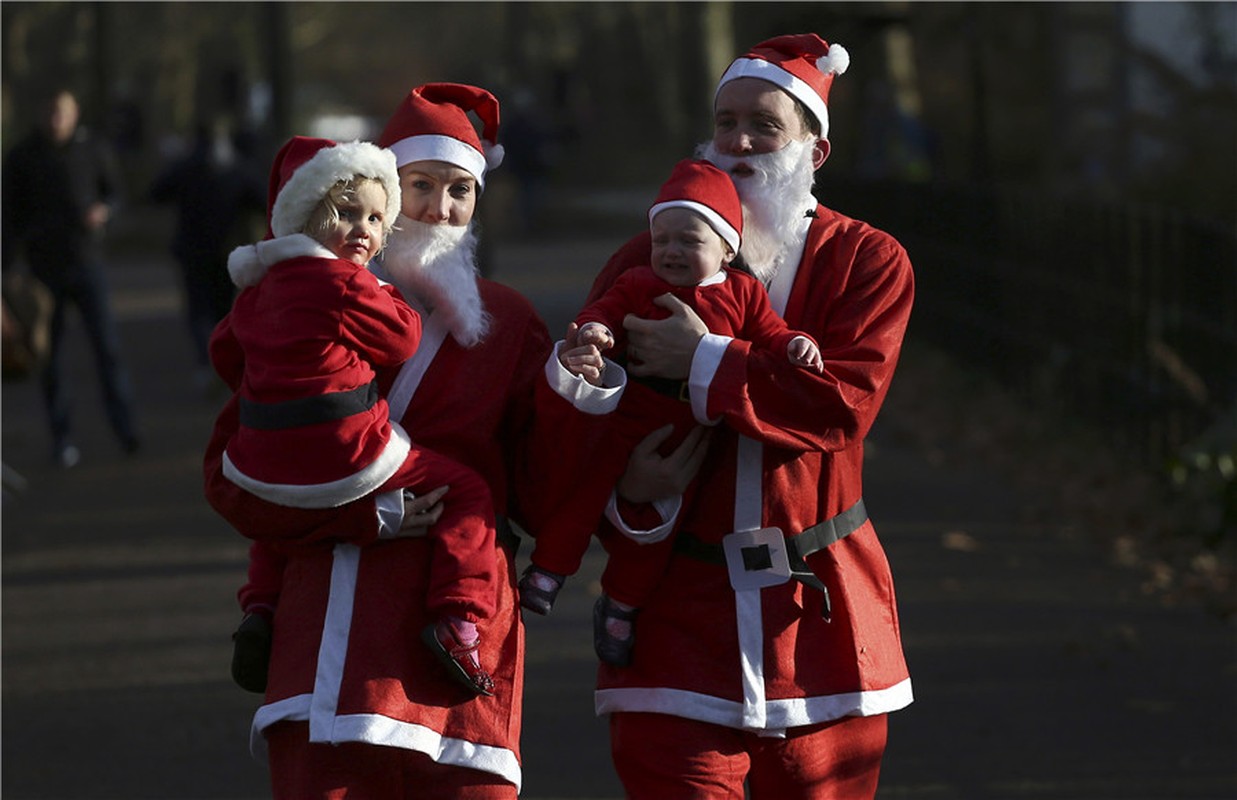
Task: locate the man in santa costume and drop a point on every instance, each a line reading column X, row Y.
column 352, row 709
column 770, row 653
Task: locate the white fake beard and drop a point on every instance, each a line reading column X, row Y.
column 775, row 198
column 437, row 264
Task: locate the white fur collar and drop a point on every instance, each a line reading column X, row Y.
column 248, row 264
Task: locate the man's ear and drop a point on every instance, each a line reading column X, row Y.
column 820, row 153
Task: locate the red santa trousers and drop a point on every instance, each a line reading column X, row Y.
column 301, row 770
column 663, row 757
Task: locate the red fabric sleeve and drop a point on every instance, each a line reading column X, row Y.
column 854, row 296
column 377, row 322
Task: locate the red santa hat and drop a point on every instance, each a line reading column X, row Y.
column 801, row 64
column 705, row 189
column 432, row 124
column 306, row 168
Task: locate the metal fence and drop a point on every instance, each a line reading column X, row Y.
column 1118, row 315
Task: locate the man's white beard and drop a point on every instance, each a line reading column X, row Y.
column 437, row 265
column 775, row 198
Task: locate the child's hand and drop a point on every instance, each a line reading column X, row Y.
column 804, row 353
column 598, row 335
column 581, row 358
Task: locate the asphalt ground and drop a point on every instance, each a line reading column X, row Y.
column 1041, row 669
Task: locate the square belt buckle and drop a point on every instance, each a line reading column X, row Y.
column 756, row 558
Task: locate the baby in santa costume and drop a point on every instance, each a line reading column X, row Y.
column 696, row 226
column 300, row 349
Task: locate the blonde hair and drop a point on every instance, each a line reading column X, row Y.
column 325, row 215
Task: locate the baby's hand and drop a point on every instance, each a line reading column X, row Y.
column 581, row 357
column 804, row 353
column 595, row 333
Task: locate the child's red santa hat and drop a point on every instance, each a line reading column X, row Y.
column 432, row 124
column 801, row 64
column 304, row 170
column 705, row 189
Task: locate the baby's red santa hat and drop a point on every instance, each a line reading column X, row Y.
column 705, row 189
column 432, row 124
column 304, row 170
column 801, row 64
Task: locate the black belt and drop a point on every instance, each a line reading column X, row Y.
column 506, row 536
column 303, row 411
column 798, row 547
column 669, row 387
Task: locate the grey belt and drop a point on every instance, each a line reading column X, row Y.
column 798, row 547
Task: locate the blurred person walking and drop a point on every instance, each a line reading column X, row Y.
column 59, row 188
column 219, row 200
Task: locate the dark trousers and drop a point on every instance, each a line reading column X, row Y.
column 88, row 292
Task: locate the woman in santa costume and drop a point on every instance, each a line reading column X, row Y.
column 770, row 653
column 696, row 225
column 348, row 710
column 300, row 348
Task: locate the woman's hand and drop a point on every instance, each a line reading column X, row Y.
column 650, row 477
column 421, row 512
column 664, row 347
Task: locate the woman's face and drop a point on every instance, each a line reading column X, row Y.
column 437, row 193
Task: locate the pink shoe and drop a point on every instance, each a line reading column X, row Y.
column 458, row 658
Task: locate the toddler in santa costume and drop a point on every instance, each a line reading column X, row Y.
column 696, row 226
column 300, row 349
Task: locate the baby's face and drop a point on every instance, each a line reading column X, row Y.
column 686, row 249
column 357, row 237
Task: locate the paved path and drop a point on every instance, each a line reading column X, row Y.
column 1040, row 671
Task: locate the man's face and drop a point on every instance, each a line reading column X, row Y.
column 437, row 193
column 752, row 116
column 62, row 117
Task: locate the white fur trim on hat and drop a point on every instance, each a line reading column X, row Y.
column 436, row 147
column 768, row 71
column 716, row 221
column 302, row 193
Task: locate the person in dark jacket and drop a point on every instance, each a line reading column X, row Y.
column 218, row 196
column 60, row 186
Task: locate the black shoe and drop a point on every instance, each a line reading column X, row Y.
column 130, row 444
column 251, row 653
column 533, row 597
column 608, row 647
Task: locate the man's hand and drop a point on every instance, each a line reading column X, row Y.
column 421, row 512
column 664, row 347
column 650, row 477
column 581, row 359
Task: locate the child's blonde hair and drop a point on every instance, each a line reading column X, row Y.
column 325, row 215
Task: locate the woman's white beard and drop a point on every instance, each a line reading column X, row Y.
column 775, row 198
column 437, row 265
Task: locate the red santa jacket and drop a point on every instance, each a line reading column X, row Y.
column 300, row 348
column 730, row 302
column 789, row 455
column 346, row 654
